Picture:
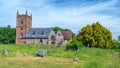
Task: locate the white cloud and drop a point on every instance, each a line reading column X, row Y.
column 46, row 15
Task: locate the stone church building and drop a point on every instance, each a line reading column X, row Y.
column 26, row 34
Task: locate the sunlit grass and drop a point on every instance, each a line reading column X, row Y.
column 57, row 57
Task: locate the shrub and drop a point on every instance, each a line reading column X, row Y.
column 24, row 42
column 116, row 46
column 74, row 46
column 68, row 46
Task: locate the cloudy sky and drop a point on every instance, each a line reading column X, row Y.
column 71, row 14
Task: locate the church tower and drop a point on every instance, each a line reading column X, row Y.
column 23, row 24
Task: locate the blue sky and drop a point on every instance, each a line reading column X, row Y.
column 71, row 14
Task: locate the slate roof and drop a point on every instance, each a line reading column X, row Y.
column 37, row 33
column 67, row 35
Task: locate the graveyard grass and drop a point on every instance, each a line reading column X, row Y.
column 58, row 57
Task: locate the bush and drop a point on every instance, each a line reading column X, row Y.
column 74, row 46
column 68, row 46
column 116, row 46
column 24, row 42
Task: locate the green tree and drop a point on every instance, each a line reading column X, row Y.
column 8, row 26
column 58, row 28
column 118, row 38
column 7, row 35
column 95, row 35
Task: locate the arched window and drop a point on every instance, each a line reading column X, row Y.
column 53, row 39
column 22, row 21
column 21, row 34
column 21, row 28
column 59, row 34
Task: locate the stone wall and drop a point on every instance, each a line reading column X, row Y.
column 35, row 41
column 59, row 38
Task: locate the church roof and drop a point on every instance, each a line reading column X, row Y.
column 37, row 33
column 67, row 35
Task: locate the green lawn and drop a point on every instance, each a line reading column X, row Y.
column 57, row 57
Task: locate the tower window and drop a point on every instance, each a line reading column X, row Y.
column 28, row 23
column 21, row 34
column 21, row 28
column 21, row 21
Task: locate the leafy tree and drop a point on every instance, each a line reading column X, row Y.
column 95, row 35
column 118, row 38
column 58, row 28
column 7, row 35
column 8, row 26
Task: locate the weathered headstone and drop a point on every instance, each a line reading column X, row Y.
column 118, row 55
column 88, row 46
column 76, row 59
column 77, row 50
column 41, row 53
column 5, row 52
column 24, row 54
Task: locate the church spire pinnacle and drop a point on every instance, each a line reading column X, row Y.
column 31, row 14
column 26, row 12
column 17, row 12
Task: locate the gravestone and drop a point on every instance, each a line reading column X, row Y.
column 29, row 45
column 24, row 54
column 119, row 55
column 5, row 52
column 76, row 59
column 88, row 46
column 77, row 50
column 41, row 53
